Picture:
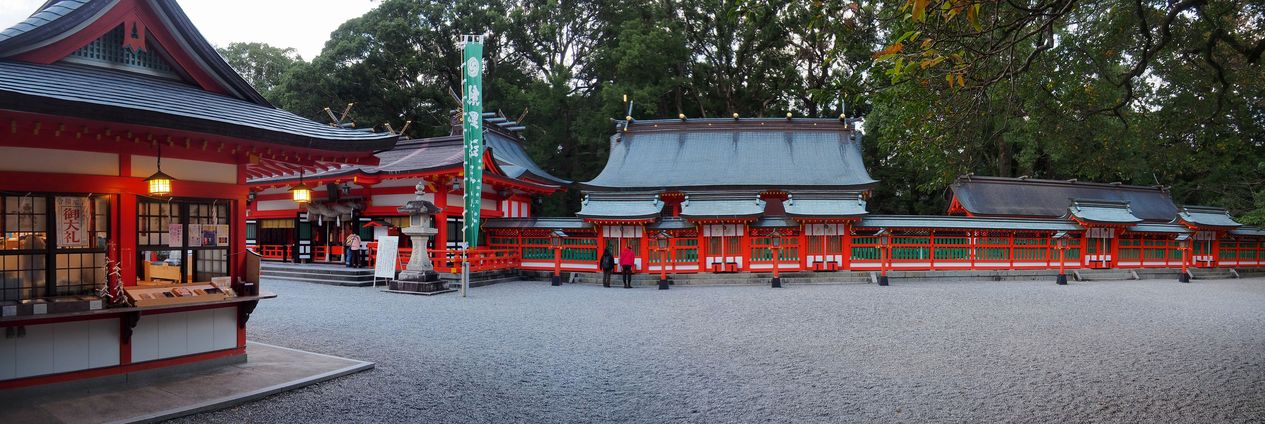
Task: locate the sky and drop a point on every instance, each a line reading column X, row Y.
column 302, row 24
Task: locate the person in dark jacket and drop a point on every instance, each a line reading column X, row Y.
column 607, row 263
column 626, row 261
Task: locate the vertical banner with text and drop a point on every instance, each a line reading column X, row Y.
column 472, row 131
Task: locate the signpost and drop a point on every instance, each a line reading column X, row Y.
column 388, row 255
column 472, row 135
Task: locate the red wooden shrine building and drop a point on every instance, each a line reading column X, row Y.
column 745, row 195
column 125, row 145
column 366, row 198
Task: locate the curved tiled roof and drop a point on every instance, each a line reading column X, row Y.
column 103, row 94
column 1015, row 197
column 437, row 153
column 1203, row 216
column 44, row 19
column 763, row 153
column 57, row 20
column 1102, row 212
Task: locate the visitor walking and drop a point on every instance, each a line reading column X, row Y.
column 626, row 260
column 607, row 263
column 352, row 245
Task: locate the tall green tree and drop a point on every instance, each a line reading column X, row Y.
column 262, row 65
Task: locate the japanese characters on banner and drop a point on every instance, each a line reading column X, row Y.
column 472, row 134
column 72, row 222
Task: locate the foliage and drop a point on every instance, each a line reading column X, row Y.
column 1137, row 91
column 262, row 65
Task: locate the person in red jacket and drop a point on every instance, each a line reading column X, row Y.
column 626, row 260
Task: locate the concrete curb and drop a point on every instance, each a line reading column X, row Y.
column 237, row 399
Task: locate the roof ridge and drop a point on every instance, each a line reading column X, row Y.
column 1071, row 183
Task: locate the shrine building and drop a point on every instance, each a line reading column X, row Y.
column 745, row 195
column 125, row 145
column 365, row 199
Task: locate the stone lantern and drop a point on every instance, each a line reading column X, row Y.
column 420, row 230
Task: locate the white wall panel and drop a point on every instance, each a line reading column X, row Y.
column 275, row 190
column 398, row 199
column 276, row 205
column 145, row 339
column 225, row 328
column 399, row 182
column 24, row 159
column 184, row 169
column 173, row 335
column 8, row 357
column 104, row 344
column 201, row 331
column 71, row 346
column 35, row 351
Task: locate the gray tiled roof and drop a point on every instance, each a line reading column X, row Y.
column 102, row 94
column 56, row 20
column 1159, row 228
column 1104, row 212
column 514, row 160
column 1014, row 197
column 1248, row 231
column 722, row 205
column 775, row 222
column 623, row 206
column 1207, row 217
column 766, row 153
column 825, row 204
column 966, row 223
column 42, row 17
column 671, row 223
column 541, row 223
column 437, row 153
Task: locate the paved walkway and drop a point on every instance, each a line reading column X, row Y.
column 269, row 370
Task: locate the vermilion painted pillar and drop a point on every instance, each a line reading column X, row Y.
column 237, row 232
column 441, row 218
column 1115, row 248
column 644, row 248
column 125, row 235
column 744, row 255
column 845, row 245
column 803, row 247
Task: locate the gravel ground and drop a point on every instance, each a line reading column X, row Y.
column 1138, row 351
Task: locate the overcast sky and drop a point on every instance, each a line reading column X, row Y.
column 302, row 24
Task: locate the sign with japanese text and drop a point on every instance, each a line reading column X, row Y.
column 472, row 133
column 175, row 235
column 72, row 222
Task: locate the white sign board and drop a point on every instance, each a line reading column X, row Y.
column 175, row 235
column 388, row 255
column 72, row 222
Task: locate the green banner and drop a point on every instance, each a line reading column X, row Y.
column 472, row 132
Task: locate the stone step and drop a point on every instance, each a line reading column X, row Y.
column 1104, row 275
column 323, row 281
column 1212, row 273
column 316, row 269
column 315, row 276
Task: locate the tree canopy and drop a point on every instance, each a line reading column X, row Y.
column 1137, row 91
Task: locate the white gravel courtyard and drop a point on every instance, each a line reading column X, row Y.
column 1134, row 351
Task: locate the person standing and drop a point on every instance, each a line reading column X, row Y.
column 353, row 250
column 626, row 260
column 607, row 263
